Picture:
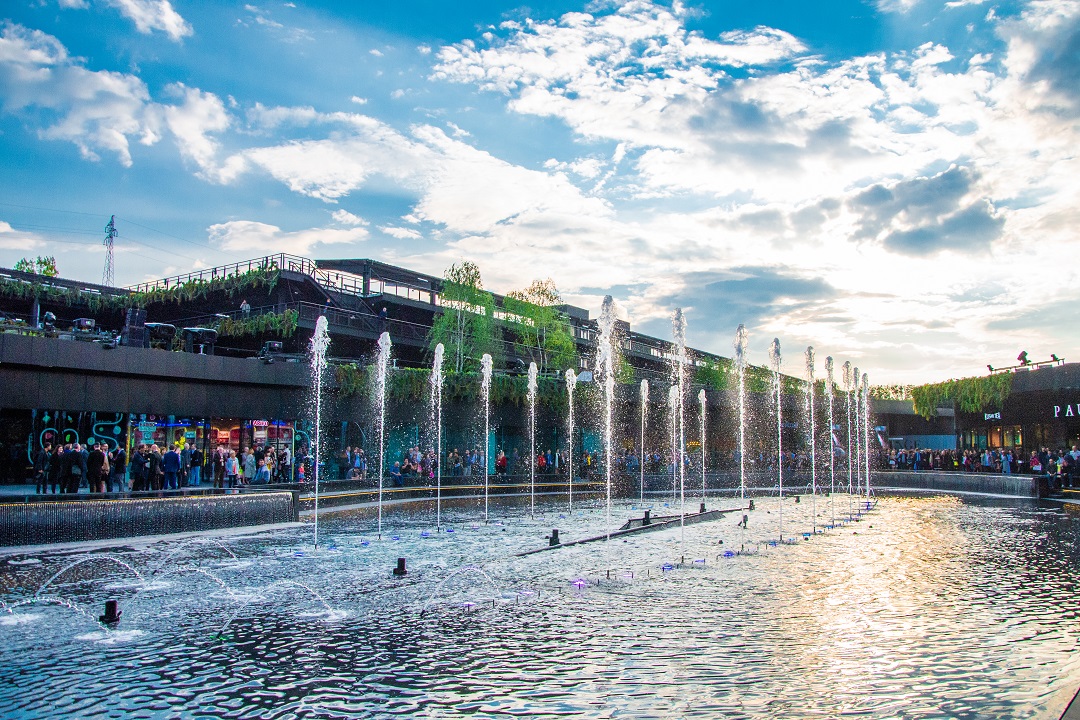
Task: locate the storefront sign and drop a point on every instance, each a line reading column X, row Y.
column 992, row 416
column 1067, row 410
column 147, row 427
column 223, row 436
column 260, row 423
column 190, row 435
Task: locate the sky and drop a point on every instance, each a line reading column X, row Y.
column 894, row 182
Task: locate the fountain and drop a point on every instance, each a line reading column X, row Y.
column 678, row 331
column 832, row 445
column 847, row 449
column 673, row 414
column 571, row 382
column 701, row 404
column 605, row 366
column 320, row 342
column 855, row 439
column 382, row 367
column 532, row 438
column 644, row 414
column 774, row 356
column 485, row 390
column 475, row 594
column 741, row 338
column 866, row 431
column 810, row 430
column 436, row 412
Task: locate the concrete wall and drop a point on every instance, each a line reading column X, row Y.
column 36, row 523
column 39, row 372
column 993, row 483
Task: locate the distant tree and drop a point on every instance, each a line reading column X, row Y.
column 39, row 266
column 533, row 317
column 466, row 324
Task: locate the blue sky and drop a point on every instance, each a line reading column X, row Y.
column 894, row 182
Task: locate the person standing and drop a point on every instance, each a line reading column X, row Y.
column 195, row 468
column 96, row 466
column 185, row 465
column 232, row 470
column 118, row 469
column 219, row 466
column 42, row 462
column 139, row 463
column 154, row 471
column 249, row 465
column 55, row 472
column 75, row 468
column 170, row 464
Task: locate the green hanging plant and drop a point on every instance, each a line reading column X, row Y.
column 974, row 394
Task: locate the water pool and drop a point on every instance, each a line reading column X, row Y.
column 929, row 607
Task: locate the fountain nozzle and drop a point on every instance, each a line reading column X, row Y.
column 400, row 569
column 112, row 615
column 702, row 510
column 554, row 539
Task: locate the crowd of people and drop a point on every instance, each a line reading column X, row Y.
column 71, row 467
column 1062, row 464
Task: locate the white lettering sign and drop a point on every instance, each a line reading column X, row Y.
column 992, row 416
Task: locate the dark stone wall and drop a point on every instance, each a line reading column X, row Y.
column 36, row 523
column 38, row 372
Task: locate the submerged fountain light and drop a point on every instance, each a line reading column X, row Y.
column 578, row 583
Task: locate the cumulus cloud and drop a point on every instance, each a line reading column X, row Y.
column 95, row 110
column 927, row 214
column 12, row 239
column 248, row 236
column 148, row 15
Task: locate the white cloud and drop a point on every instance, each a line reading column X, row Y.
column 151, row 15
column 247, row 236
column 97, row 111
column 12, row 239
column 401, row 233
column 192, row 123
column 344, row 217
column 358, row 100
column 375, row 52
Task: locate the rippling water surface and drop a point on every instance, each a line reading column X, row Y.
column 928, row 607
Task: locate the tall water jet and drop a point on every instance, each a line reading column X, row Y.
column 382, row 366
column 678, row 331
column 532, row 438
column 571, row 383
column 605, row 365
column 701, row 404
column 741, row 337
column 320, row 342
column 774, row 356
column 856, row 438
column 850, row 456
column 485, row 390
column 811, row 425
column 832, row 444
column 866, row 430
column 644, row 415
column 436, row 409
column 673, row 403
